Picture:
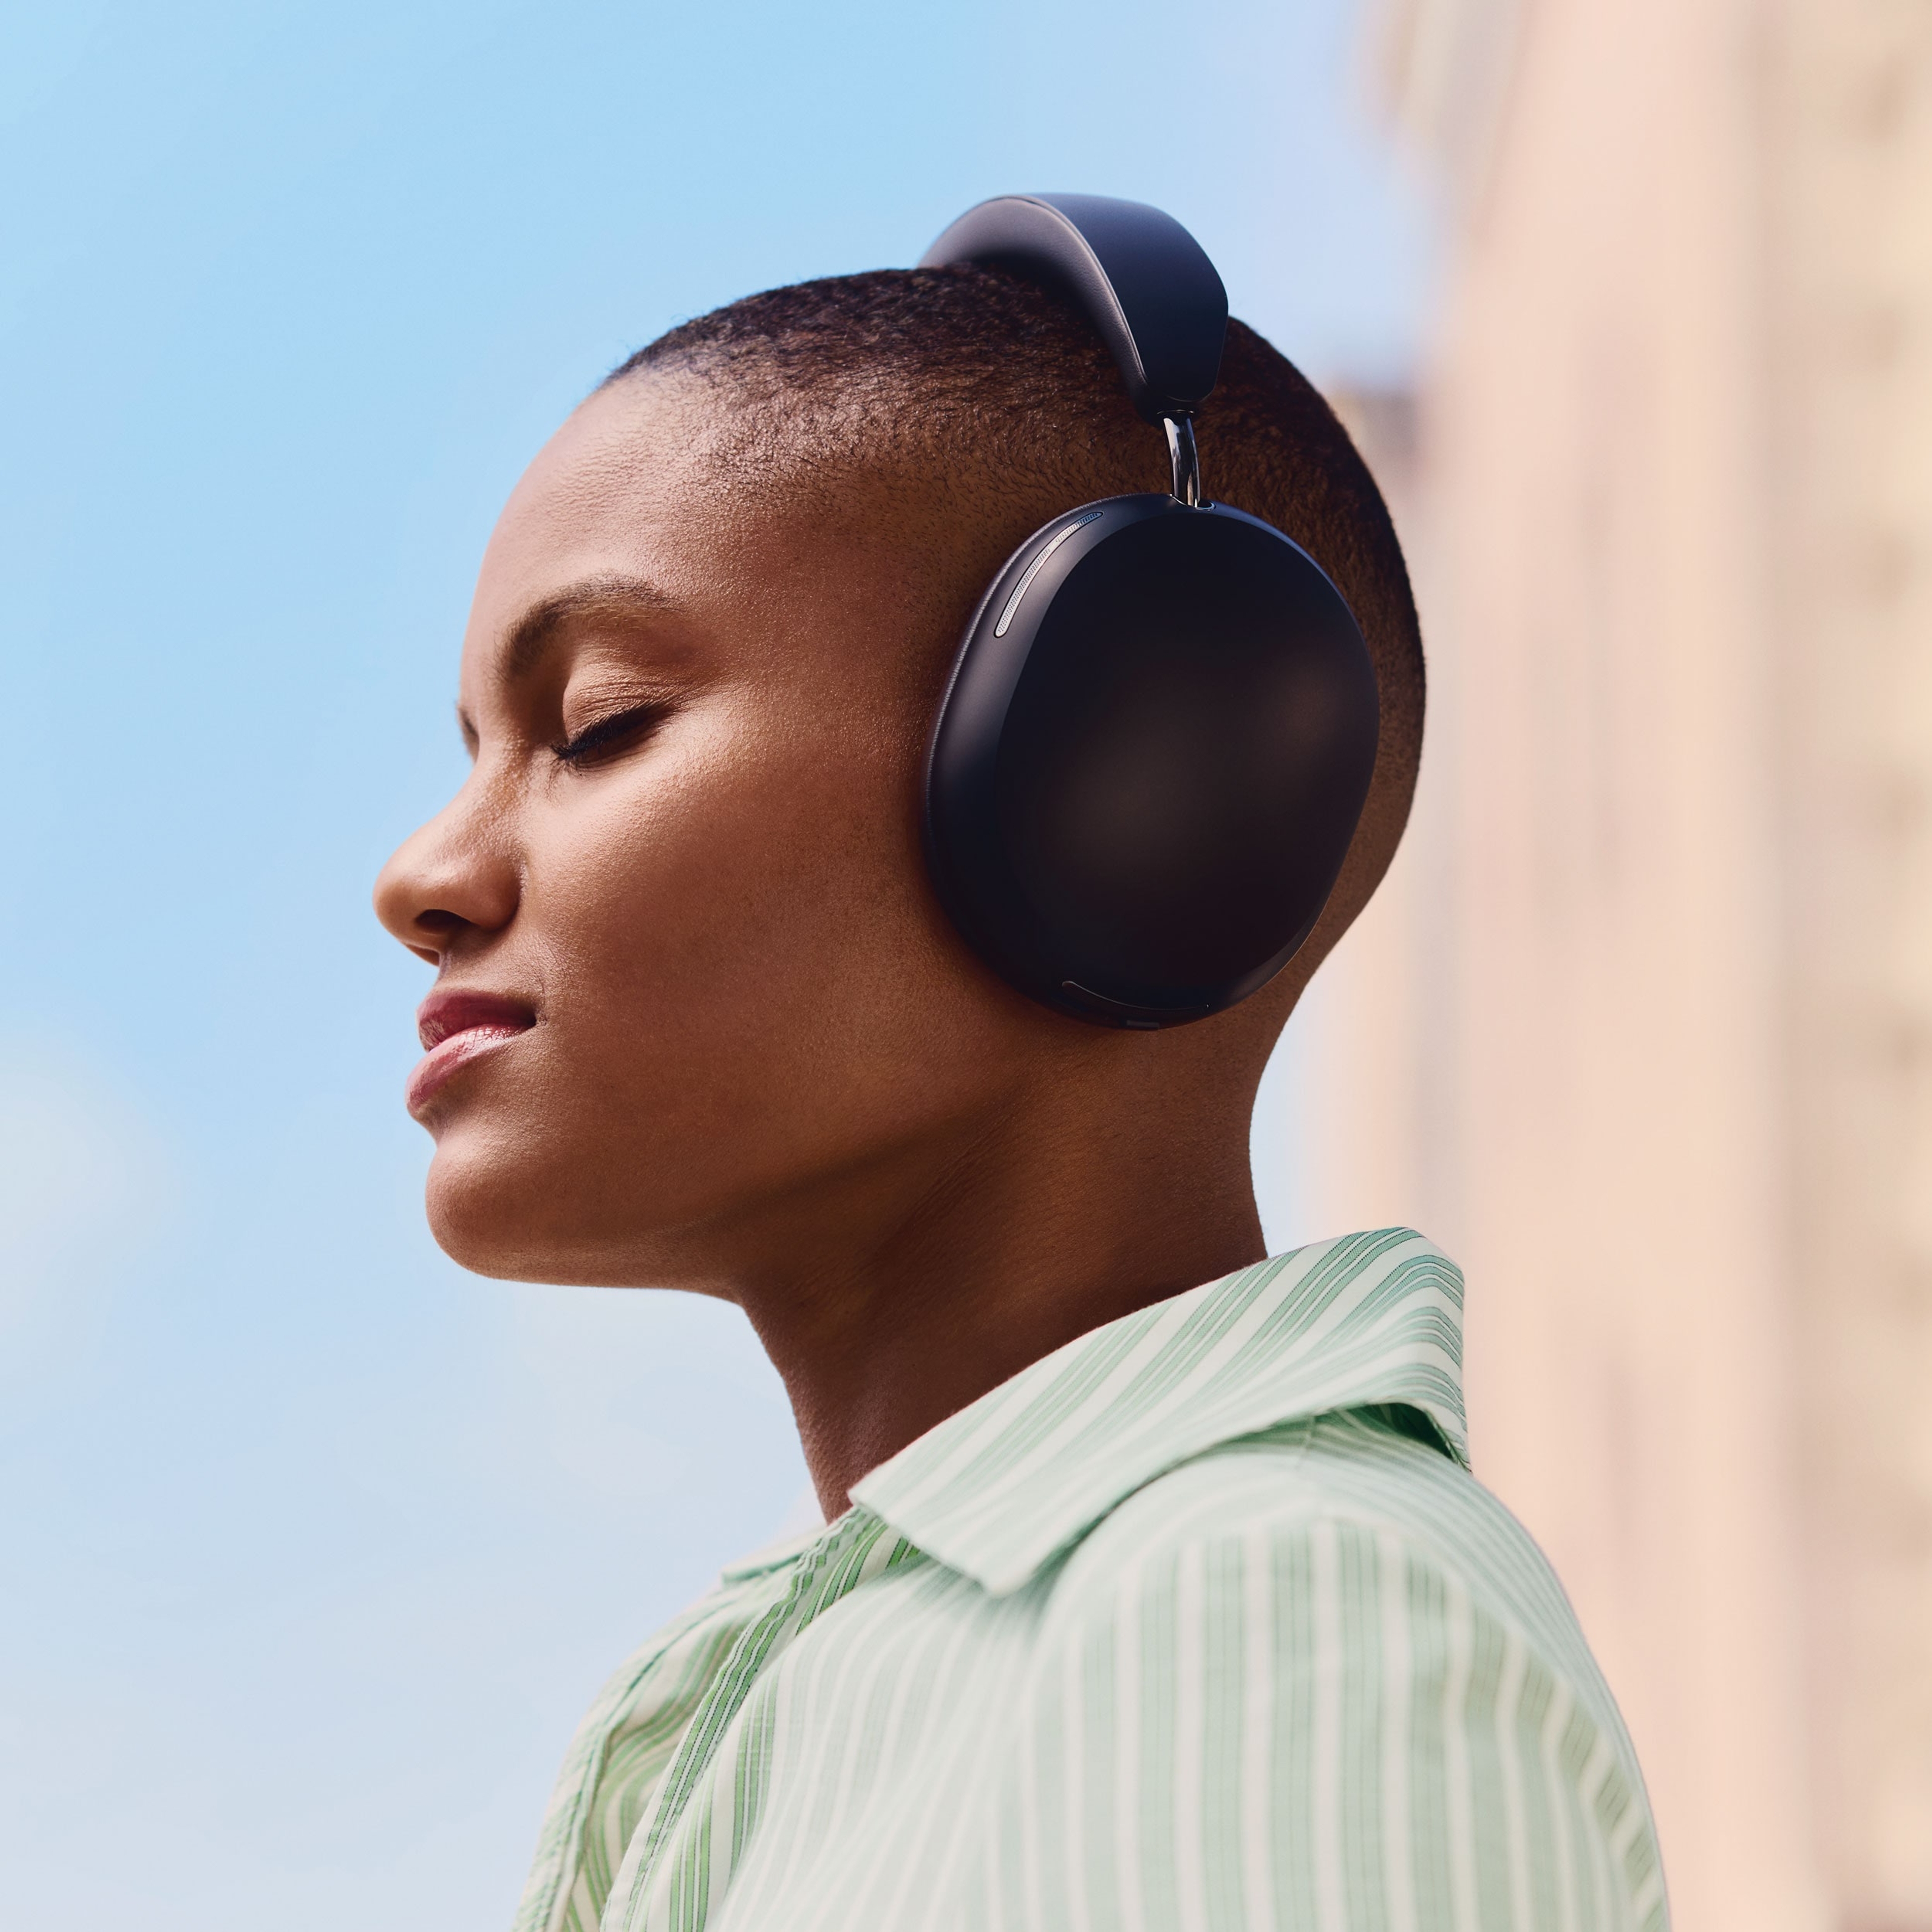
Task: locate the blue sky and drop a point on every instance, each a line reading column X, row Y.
column 314, row 1547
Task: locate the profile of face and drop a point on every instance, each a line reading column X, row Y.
column 692, row 985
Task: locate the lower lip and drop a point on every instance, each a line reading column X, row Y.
column 449, row 1056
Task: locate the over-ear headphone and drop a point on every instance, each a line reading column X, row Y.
column 1159, row 729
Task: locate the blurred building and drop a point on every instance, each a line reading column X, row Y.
column 1642, row 1030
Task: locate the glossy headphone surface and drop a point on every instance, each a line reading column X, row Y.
column 1159, row 731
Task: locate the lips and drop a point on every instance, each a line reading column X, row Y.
column 456, row 1027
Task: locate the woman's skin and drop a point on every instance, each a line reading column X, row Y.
column 703, row 1023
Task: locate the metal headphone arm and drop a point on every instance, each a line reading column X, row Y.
column 1185, row 458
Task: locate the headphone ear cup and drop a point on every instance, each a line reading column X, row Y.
column 1153, row 752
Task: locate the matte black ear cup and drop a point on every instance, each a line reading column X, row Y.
column 1153, row 754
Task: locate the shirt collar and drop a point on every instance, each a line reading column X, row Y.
column 999, row 1489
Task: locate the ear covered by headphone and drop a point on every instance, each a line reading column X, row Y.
column 1160, row 728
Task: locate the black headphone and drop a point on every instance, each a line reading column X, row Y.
column 1159, row 729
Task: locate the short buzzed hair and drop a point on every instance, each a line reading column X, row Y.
column 972, row 377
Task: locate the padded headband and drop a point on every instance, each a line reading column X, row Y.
column 1144, row 283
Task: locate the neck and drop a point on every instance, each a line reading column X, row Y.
column 930, row 1284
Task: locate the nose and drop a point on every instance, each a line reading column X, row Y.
column 455, row 879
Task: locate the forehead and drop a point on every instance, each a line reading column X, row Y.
column 640, row 488
column 758, row 551
column 628, row 485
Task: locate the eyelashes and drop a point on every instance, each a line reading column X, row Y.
column 611, row 737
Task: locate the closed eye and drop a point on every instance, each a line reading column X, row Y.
column 611, row 737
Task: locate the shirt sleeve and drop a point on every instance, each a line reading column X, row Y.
column 1320, row 1726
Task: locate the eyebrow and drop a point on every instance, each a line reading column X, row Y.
column 529, row 640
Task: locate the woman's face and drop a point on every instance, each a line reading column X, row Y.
column 691, row 982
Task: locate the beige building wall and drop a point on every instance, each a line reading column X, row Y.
column 1642, row 1029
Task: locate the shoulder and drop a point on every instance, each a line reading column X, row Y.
column 1345, row 1605
column 1356, row 1480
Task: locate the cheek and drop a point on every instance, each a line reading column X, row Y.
column 743, row 973
column 732, row 877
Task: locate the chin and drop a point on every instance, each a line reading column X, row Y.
column 510, row 1213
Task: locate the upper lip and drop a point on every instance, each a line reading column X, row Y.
column 449, row 1010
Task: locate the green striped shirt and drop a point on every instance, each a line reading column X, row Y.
column 1200, row 1622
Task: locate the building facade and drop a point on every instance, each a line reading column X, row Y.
column 1642, row 1028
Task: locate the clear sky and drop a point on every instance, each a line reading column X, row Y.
column 312, row 1549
